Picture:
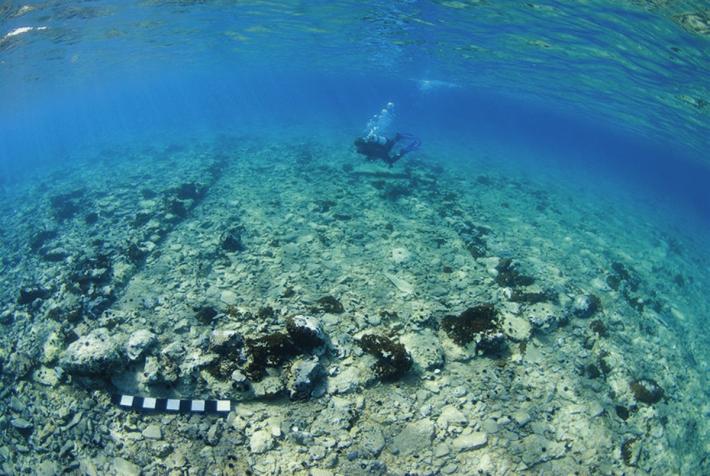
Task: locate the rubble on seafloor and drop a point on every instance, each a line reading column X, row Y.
column 380, row 322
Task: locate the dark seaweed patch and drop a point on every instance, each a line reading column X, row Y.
column 91, row 218
column 271, row 350
column 463, row 328
column 474, row 237
column 598, row 327
column 622, row 412
column 141, row 219
column 231, row 240
column 190, row 191
column 646, row 391
column 533, row 297
column 627, row 451
column 29, row 294
column 328, row 304
column 205, row 314
column 66, row 205
column 39, row 239
column 592, row 371
column 509, row 275
column 230, row 351
column 177, row 208
column 393, row 360
column 148, row 193
column 394, row 192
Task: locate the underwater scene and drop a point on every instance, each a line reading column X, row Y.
column 319, row 238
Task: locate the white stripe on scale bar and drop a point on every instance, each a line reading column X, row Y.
column 126, row 401
column 224, row 405
column 149, row 403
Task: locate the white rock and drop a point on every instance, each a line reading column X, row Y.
column 521, row 417
column 414, row 437
column 400, row 255
column 404, row 286
column 261, row 441
column 94, row 353
column 451, row 415
column 228, row 297
column 124, row 467
column 517, row 328
column 346, row 381
column 153, row 432
column 471, row 441
column 138, row 343
column 424, row 348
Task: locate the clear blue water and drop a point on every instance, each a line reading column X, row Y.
column 610, row 98
column 599, row 86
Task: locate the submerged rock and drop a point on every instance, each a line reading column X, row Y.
column 261, row 441
column 305, row 332
column 509, row 275
column 229, row 347
column 586, row 306
column 93, row 354
column 425, row 349
column 305, row 375
column 471, row 441
column 139, row 342
column 414, row 437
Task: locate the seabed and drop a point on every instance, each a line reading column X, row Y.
column 438, row 317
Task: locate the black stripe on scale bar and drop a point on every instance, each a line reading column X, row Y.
column 171, row 405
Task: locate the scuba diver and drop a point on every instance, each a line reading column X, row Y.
column 375, row 146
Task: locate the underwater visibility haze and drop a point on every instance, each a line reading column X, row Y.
column 323, row 238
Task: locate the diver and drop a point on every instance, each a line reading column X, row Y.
column 375, row 146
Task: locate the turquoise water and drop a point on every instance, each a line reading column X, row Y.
column 185, row 215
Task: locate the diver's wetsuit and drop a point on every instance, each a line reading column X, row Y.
column 374, row 150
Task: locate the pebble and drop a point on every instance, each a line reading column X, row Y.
column 489, row 426
column 261, row 441
column 449, row 468
column 125, row 468
column 459, row 391
column 451, row 415
column 153, row 432
column 414, row 437
column 228, row 297
column 441, row 450
column 372, row 441
column 139, row 342
column 21, row 423
column 471, row 441
column 16, row 405
column 521, row 417
column 47, row 468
